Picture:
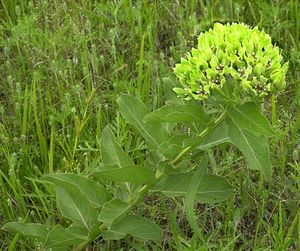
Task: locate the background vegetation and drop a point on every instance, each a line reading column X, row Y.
column 64, row 63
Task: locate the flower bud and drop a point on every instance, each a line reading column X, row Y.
column 259, row 69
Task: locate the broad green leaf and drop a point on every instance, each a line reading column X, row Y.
column 76, row 207
column 60, row 237
column 255, row 148
column 217, row 136
column 133, row 174
column 248, row 117
column 111, row 151
column 211, row 189
column 110, row 235
column 93, row 191
column 138, row 227
column 113, row 154
column 178, row 113
column 79, row 231
column 173, row 146
column 134, row 111
column 113, row 210
column 28, row 229
column 192, row 191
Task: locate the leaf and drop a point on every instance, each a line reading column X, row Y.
column 93, row 191
column 112, row 210
column 110, row 235
column 133, row 174
column 111, row 151
column 212, row 188
column 173, row 146
column 134, row 111
column 76, row 207
column 60, row 237
column 178, row 113
column 217, row 136
column 255, row 148
column 29, row 229
column 192, row 191
column 138, row 227
column 113, row 154
column 79, row 231
column 248, row 117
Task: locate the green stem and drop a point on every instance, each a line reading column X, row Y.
column 181, row 154
column 207, row 130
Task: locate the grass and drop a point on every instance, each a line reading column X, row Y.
column 64, row 63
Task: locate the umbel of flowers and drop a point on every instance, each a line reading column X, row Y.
column 235, row 53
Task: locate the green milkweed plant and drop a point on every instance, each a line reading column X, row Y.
column 223, row 83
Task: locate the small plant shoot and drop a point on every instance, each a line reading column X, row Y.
column 223, row 84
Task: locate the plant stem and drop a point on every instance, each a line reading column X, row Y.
column 206, row 131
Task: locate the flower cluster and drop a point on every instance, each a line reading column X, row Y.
column 232, row 51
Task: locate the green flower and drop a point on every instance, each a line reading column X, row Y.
column 232, row 52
